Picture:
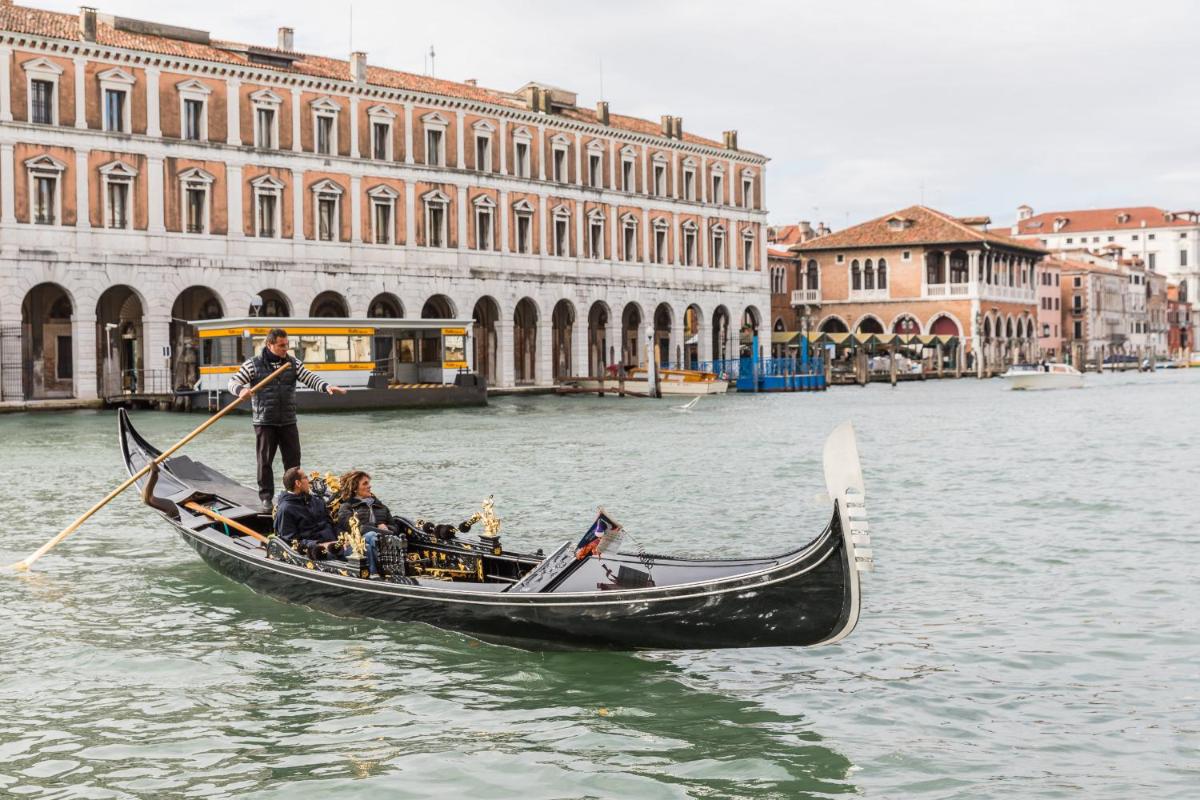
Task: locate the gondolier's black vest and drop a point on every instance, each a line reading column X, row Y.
column 275, row 403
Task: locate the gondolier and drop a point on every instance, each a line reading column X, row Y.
column 274, row 407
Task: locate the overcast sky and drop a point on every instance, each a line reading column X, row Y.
column 863, row 107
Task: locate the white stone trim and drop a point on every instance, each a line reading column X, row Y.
column 117, row 172
column 385, row 195
column 116, row 80
column 325, row 108
column 267, row 184
column 45, row 166
column 195, row 178
column 197, row 91
column 437, row 197
column 37, row 69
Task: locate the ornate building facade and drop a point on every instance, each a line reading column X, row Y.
column 151, row 174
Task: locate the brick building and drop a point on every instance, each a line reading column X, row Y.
column 1181, row 324
column 921, row 271
column 1049, row 315
column 151, row 174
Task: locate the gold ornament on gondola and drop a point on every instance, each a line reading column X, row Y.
column 353, row 539
column 491, row 523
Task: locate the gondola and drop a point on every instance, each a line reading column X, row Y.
column 580, row 596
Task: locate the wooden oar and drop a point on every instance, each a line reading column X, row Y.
column 67, row 531
column 233, row 523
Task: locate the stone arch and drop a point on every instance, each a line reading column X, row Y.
column 599, row 316
column 46, row 368
column 271, row 303
column 722, row 334
column 193, row 303
column 120, row 341
column 833, row 323
column 385, row 305
column 869, row 323
column 693, row 323
column 945, row 324
column 778, row 326
column 1008, row 327
column 632, row 319
column 525, row 333
column 562, row 339
column 664, row 320
column 905, row 324
column 438, row 306
column 486, row 316
column 329, row 304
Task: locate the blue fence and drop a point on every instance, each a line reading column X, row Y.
column 789, row 374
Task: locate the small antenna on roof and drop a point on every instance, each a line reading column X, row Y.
column 602, row 97
column 432, row 62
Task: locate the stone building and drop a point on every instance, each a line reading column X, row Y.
column 920, row 271
column 1049, row 314
column 151, row 174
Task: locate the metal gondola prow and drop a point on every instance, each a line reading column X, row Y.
column 844, row 482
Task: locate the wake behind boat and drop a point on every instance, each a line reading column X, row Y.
column 584, row 595
column 1043, row 376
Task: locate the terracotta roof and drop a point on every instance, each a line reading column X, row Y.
column 787, row 235
column 1101, row 219
column 55, row 25
column 917, row 225
column 780, row 253
column 1070, row 265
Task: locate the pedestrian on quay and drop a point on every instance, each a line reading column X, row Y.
column 274, row 407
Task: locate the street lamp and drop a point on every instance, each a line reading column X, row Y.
column 256, row 304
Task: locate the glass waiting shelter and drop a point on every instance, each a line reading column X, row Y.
column 355, row 353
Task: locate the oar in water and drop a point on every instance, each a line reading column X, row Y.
column 67, row 531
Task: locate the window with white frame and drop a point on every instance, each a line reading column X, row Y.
column 437, row 214
column 659, row 173
column 562, row 232
column 485, row 217
column 381, row 119
column 560, row 158
column 689, row 244
column 268, row 194
column 689, row 179
column 266, row 106
column 747, row 188
column 596, row 234
column 42, row 76
column 116, row 180
column 658, row 254
column 325, row 127
column 718, row 185
column 748, row 249
column 523, row 212
column 521, row 153
column 383, row 213
column 629, row 231
column 718, row 247
column 116, row 88
column 629, row 169
column 193, row 110
column 484, row 133
column 435, row 140
column 596, row 165
column 45, row 182
column 327, row 200
column 195, row 187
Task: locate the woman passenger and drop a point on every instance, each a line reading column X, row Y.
column 358, row 502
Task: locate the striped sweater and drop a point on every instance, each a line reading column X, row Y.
column 245, row 377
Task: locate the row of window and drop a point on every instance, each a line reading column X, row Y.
column 196, row 186
column 1050, row 304
column 116, row 90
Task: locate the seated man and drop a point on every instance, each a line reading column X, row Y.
column 356, row 501
column 301, row 516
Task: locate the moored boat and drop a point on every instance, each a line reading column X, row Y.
column 1043, row 376
column 585, row 594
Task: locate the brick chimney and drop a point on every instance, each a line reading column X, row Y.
column 286, row 39
column 602, row 112
column 358, row 66
column 677, row 127
column 668, row 125
column 731, row 140
column 87, row 23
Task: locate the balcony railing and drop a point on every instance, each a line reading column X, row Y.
column 947, row 290
column 806, row 297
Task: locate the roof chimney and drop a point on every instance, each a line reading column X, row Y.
column 1024, row 212
column 668, row 125
column 602, row 112
column 731, row 140
column 471, row 82
column 677, row 127
column 87, row 23
column 358, row 66
column 286, row 39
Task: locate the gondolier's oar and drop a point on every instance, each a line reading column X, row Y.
column 67, row 531
column 233, row 523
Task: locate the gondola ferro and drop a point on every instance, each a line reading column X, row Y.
column 586, row 594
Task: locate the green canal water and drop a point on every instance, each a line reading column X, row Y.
column 1031, row 629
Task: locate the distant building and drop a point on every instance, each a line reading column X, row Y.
column 1049, row 299
column 1167, row 242
column 922, row 271
column 1096, row 315
column 1181, row 324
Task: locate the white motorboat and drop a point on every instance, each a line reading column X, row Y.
column 1043, row 376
